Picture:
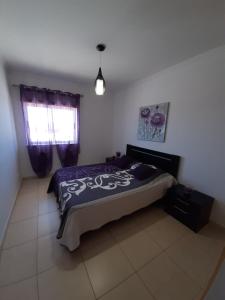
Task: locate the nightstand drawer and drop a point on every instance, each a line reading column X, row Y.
column 183, row 216
column 183, row 202
column 182, row 211
column 183, row 205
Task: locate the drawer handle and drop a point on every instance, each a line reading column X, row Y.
column 181, row 210
column 183, row 202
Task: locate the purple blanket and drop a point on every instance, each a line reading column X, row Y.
column 77, row 172
column 83, row 190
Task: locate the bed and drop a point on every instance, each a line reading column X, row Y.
column 91, row 196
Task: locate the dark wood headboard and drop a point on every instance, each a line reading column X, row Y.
column 167, row 162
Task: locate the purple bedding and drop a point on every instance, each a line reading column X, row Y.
column 80, row 191
column 77, row 172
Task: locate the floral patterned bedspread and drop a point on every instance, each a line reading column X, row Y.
column 77, row 172
column 85, row 190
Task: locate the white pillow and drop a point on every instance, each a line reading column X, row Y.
column 134, row 166
column 152, row 166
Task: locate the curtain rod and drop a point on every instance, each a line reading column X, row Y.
column 17, row 86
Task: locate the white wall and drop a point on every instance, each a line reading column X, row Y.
column 95, row 119
column 196, row 125
column 9, row 174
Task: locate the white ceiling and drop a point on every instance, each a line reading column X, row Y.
column 142, row 36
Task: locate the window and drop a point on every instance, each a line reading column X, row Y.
column 55, row 124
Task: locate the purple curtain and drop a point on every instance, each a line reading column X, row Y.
column 40, row 136
column 68, row 154
column 41, row 159
column 67, row 151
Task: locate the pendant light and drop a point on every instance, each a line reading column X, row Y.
column 100, row 81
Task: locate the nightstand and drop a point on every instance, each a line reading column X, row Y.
column 190, row 207
column 109, row 159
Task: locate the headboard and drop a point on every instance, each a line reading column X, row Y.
column 164, row 161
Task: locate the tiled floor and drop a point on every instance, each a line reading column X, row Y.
column 148, row 255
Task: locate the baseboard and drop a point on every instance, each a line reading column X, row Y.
column 2, row 236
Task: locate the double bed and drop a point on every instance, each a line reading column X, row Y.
column 93, row 195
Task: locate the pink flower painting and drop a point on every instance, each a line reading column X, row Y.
column 152, row 122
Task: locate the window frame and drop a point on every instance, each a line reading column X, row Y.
column 52, row 138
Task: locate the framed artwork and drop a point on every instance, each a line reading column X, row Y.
column 152, row 122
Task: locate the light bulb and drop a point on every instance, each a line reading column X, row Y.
column 99, row 84
column 99, row 87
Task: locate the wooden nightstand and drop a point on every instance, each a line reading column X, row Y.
column 190, row 207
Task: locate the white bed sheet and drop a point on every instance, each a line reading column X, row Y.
column 95, row 214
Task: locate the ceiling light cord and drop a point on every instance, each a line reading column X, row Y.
column 100, row 59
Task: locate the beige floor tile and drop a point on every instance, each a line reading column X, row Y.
column 131, row 289
column 24, row 290
column 20, row 232
column 180, row 287
column 140, row 249
column 48, row 223
column 167, row 231
column 148, row 216
column 27, row 197
column 60, row 284
column 177, row 273
column 158, row 272
column 51, row 253
column 29, row 186
column 213, row 231
column 108, row 269
column 199, row 294
column 28, row 191
column 197, row 256
column 18, row 263
column 24, row 209
column 124, row 228
column 43, row 186
column 166, row 281
column 96, row 242
column 47, row 204
column 211, row 247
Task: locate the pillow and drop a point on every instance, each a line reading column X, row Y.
column 152, row 166
column 123, row 162
column 143, row 172
column 135, row 165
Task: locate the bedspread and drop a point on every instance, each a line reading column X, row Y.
column 76, row 172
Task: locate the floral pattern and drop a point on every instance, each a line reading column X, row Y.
column 105, row 182
column 76, row 172
column 152, row 122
